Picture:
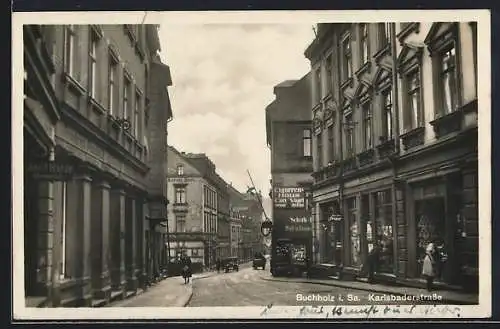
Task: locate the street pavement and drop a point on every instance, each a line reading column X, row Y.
column 250, row 287
column 170, row 292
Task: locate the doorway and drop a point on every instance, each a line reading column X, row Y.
column 430, row 219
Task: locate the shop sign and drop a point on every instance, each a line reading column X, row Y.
column 51, row 170
column 179, row 180
column 298, row 228
column 289, row 197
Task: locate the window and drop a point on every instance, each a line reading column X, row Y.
column 387, row 114
column 364, row 43
column 93, row 65
column 112, row 85
column 413, row 93
column 136, row 113
column 367, row 125
column 318, row 92
column 347, row 58
column 349, row 129
column 181, row 224
column 180, row 195
column 448, row 80
column 331, row 151
column 306, row 141
column 126, row 98
column 383, row 230
column 70, row 46
column 329, row 74
column 180, row 170
column 63, row 273
column 319, row 149
column 354, row 232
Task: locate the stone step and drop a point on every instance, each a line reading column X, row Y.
column 98, row 302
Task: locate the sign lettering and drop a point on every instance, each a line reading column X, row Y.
column 289, row 197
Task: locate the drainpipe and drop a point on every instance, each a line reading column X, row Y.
column 341, row 152
column 395, row 127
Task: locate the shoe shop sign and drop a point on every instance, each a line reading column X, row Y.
column 299, row 224
column 289, row 197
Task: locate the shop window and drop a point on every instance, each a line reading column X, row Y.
column 355, row 252
column 383, row 230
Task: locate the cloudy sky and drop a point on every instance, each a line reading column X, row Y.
column 223, row 78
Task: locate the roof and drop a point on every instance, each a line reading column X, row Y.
column 286, row 83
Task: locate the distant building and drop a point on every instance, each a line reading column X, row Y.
column 246, row 216
column 289, row 136
column 396, row 168
column 199, row 211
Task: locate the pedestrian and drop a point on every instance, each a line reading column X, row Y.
column 308, row 267
column 429, row 265
column 218, row 264
column 373, row 261
column 186, row 268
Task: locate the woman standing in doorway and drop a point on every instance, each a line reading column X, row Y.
column 429, row 265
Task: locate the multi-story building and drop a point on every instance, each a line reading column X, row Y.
column 158, row 114
column 289, row 137
column 86, row 161
column 396, row 106
column 246, row 216
column 200, row 206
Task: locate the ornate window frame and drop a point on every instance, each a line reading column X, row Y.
column 409, row 62
column 441, row 38
column 346, row 77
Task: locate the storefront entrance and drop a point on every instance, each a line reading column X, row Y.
column 430, row 219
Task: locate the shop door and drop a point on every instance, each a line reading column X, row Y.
column 430, row 220
column 336, row 242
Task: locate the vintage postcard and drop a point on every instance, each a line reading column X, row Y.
column 251, row 165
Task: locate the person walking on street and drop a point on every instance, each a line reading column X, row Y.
column 429, row 265
column 186, row 268
column 218, row 265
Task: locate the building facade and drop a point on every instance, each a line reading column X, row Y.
column 86, row 161
column 246, row 217
column 199, row 219
column 396, row 106
column 289, row 137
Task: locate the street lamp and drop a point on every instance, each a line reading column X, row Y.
column 266, row 227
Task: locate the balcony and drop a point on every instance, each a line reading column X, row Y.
column 386, row 148
column 180, row 207
column 366, row 157
column 413, row 138
column 350, row 164
column 448, row 123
